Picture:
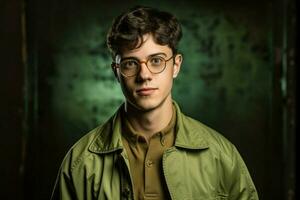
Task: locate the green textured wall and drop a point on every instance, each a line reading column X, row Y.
column 225, row 80
column 223, row 67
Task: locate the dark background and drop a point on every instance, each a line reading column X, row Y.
column 238, row 76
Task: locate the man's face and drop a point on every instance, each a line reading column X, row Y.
column 146, row 91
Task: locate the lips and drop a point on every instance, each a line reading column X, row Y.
column 146, row 91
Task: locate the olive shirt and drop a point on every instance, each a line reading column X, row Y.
column 145, row 159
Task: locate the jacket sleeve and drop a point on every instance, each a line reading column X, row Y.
column 242, row 186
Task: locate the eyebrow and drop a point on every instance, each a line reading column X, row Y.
column 151, row 55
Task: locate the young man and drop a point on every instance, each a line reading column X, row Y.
column 149, row 149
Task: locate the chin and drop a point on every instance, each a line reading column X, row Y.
column 148, row 104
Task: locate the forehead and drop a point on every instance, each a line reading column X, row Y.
column 148, row 47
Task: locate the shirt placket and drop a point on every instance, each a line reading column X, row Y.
column 151, row 168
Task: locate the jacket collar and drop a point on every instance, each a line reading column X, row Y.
column 108, row 137
column 190, row 134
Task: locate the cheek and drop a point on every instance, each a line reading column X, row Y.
column 126, row 86
column 166, row 80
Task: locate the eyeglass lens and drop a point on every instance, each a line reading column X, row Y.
column 130, row 67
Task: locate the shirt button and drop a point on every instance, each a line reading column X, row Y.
column 149, row 163
column 163, row 141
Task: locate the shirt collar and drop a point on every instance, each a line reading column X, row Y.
column 133, row 136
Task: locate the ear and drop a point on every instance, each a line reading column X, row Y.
column 177, row 64
column 115, row 70
column 115, row 65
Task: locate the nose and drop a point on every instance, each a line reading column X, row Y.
column 144, row 73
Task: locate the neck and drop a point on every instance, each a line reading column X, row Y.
column 150, row 121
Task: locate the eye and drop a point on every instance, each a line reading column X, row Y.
column 156, row 61
column 129, row 64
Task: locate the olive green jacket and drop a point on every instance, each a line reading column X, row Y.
column 202, row 165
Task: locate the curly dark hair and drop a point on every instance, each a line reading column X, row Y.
column 127, row 30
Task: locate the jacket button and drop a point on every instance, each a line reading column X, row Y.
column 126, row 192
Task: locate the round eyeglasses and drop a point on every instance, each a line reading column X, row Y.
column 130, row 67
